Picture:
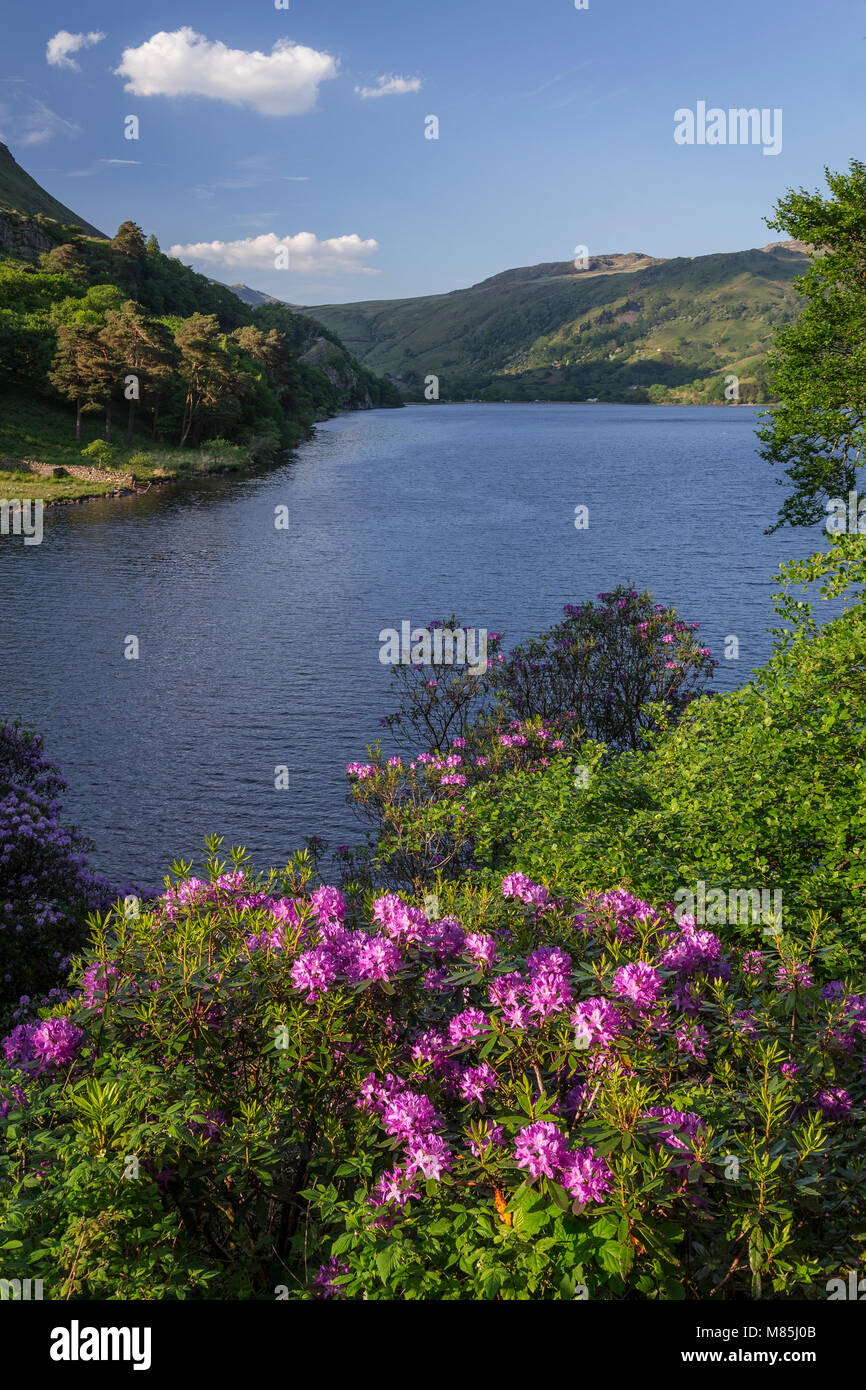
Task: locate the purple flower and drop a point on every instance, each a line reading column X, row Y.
column 402, row 923
column 490, row 1135
column 314, row 971
column 408, row 1114
column 639, row 983
column 834, row 1103
column 596, row 1023
column 472, row 1023
column 474, row 1081
column 324, row 1280
column 692, row 951
column 481, row 948
column 329, row 905
column 430, row 1046
column 519, row 886
column 53, row 1042
column 692, row 1038
column 95, row 983
column 428, row 1155
column 586, row 1177
column 679, row 1126
column 393, row 1189
column 378, row 959
column 210, row 1126
column 794, row 976
column 753, row 962
column 539, row 1148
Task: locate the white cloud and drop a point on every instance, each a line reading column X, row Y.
column 284, row 82
column 306, row 252
column 59, row 49
column 388, row 85
column 87, row 173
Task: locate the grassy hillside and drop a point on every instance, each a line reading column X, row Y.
column 21, row 193
column 79, row 313
column 629, row 327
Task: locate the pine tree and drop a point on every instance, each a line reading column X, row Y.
column 80, row 372
column 208, row 373
column 143, row 349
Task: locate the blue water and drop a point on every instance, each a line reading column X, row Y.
column 259, row 647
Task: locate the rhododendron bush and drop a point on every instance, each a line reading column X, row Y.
column 46, row 887
column 259, row 1088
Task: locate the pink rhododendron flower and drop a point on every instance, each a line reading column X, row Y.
column 639, row 983
column 598, row 1021
column 481, row 948
column 472, row 1023
column 586, row 1177
column 539, row 1148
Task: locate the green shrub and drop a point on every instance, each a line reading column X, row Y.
column 260, row 1091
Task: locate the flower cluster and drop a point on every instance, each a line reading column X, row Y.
column 54, row 1042
column 541, row 1149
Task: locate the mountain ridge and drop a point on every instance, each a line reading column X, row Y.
column 664, row 327
column 31, row 199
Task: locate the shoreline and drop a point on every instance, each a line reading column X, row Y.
column 117, row 488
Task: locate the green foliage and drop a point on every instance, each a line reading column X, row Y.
column 818, row 366
column 206, row 1138
column 99, row 450
column 764, row 788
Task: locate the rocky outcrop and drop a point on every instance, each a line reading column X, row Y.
column 335, row 364
column 22, row 236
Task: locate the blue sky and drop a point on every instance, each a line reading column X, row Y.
column 555, row 129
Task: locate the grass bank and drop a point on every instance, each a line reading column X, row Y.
column 34, row 431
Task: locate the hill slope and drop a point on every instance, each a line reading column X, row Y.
column 667, row 329
column 21, row 193
column 216, row 380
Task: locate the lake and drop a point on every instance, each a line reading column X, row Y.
column 259, row 647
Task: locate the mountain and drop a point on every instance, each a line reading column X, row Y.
column 21, row 193
column 628, row 327
column 256, row 298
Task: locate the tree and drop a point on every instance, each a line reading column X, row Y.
column 99, row 450
column 818, row 365
column 90, row 307
column 143, row 347
column 64, row 259
column 207, row 374
column 79, row 371
column 129, row 258
column 129, row 239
